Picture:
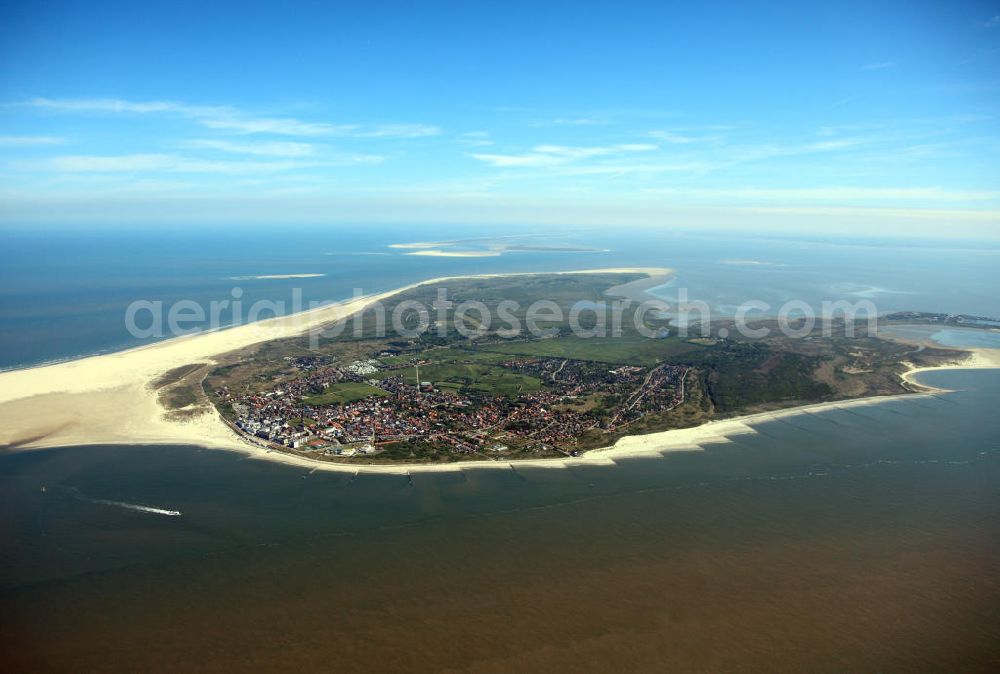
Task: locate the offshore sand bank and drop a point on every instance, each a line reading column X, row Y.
column 110, row 399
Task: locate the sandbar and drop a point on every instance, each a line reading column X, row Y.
column 273, row 276
column 433, row 252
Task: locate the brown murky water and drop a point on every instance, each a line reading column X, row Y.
column 847, row 541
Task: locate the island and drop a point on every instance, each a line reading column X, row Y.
column 446, row 395
column 462, row 391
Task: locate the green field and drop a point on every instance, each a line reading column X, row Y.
column 476, row 377
column 630, row 349
column 346, row 392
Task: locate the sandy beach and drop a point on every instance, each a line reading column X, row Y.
column 433, row 252
column 109, row 399
column 979, row 358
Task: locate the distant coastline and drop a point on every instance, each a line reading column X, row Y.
column 487, row 248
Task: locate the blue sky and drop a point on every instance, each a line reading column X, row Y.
column 827, row 117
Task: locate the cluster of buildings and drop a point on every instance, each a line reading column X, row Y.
column 464, row 422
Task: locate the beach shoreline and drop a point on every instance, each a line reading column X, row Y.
column 631, row 446
column 110, row 400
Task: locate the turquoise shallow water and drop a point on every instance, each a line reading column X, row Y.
column 968, row 338
column 949, row 337
column 876, row 525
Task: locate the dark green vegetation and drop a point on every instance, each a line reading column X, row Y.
column 739, row 375
column 629, row 349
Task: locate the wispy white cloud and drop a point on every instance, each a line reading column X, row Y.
column 992, row 22
column 215, row 117
column 29, row 141
column 112, row 105
column 659, row 165
column 266, row 148
column 828, row 194
column 230, row 119
column 702, row 159
column 740, row 154
column 271, row 125
column 571, row 152
column 617, row 169
column 170, row 163
column 703, row 155
column 554, row 155
column 675, row 137
column 386, row 130
column 876, row 214
column 837, row 129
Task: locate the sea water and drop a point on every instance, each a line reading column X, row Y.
column 861, row 538
column 65, row 293
column 858, row 539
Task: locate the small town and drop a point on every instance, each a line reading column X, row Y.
column 392, row 405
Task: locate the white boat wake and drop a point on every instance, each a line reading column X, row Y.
column 136, row 506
